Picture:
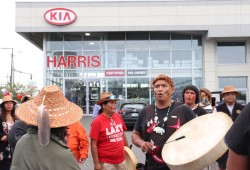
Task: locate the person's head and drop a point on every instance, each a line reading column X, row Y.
column 163, row 87
column 190, row 95
column 26, row 98
column 229, row 94
column 108, row 103
column 205, row 95
column 8, row 105
column 49, row 110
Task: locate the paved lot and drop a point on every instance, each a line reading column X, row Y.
column 88, row 165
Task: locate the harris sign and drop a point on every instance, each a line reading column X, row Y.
column 60, row 16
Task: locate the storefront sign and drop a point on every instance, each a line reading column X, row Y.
column 60, row 16
column 136, row 72
column 74, row 61
column 114, row 72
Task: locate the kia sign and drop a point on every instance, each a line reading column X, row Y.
column 60, row 16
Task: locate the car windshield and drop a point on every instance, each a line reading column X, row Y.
column 133, row 106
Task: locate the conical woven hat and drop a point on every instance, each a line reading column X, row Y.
column 7, row 98
column 61, row 111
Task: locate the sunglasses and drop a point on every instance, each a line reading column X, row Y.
column 111, row 97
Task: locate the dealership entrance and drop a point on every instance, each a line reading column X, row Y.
column 83, row 92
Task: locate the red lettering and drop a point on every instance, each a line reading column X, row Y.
column 61, row 62
column 88, row 60
column 60, row 16
column 81, row 59
column 66, row 16
column 53, row 16
column 96, row 61
column 71, row 60
column 51, row 60
column 75, row 61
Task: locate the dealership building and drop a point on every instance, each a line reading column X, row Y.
column 118, row 46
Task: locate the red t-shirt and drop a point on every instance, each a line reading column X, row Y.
column 109, row 136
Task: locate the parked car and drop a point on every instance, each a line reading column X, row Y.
column 130, row 112
column 177, row 96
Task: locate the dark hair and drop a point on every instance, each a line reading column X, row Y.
column 25, row 99
column 101, row 110
column 193, row 88
column 3, row 114
column 60, row 132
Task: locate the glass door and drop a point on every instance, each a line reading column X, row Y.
column 83, row 92
column 75, row 91
column 94, row 89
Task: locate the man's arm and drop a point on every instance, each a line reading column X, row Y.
column 97, row 165
column 140, row 143
column 125, row 140
column 237, row 162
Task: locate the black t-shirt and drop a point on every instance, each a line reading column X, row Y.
column 199, row 111
column 238, row 136
column 179, row 114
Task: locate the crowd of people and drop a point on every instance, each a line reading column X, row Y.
column 46, row 129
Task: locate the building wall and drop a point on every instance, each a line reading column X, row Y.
column 221, row 20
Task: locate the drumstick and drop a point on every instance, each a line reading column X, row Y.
column 176, row 139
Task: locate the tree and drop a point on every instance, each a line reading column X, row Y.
column 17, row 88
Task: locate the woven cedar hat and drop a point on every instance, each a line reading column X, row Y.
column 106, row 96
column 7, row 99
column 61, row 111
column 229, row 89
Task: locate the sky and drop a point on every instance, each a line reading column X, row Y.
column 27, row 57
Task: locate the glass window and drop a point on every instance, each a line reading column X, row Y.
column 181, row 82
column 181, row 41
column 137, row 36
column 159, row 58
column 72, row 63
column 93, row 59
column 237, row 82
column 115, row 59
column 198, row 58
column 159, row 40
column 115, row 86
column 240, row 83
column 54, row 73
column 182, row 58
column 75, row 91
column 137, row 59
column 54, row 60
column 54, row 41
column 231, row 52
column 138, row 89
column 114, row 40
column 92, row 41
column 55, row 81
column 197, row 42
column 73, row 41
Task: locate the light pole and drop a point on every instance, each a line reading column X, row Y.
column 12, row 66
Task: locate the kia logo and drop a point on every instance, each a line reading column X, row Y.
column 60, row 16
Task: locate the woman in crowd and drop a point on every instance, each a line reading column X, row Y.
column 7, row 119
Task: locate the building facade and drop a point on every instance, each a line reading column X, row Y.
column 119, row 46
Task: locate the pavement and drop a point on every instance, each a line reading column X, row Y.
column 88, row 164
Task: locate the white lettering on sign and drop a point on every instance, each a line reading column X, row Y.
column 114, row 72
column 136, row 72
column 60, row 16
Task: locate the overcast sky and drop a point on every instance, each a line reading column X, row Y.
column 27, row 57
